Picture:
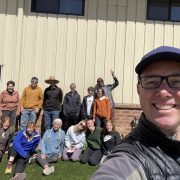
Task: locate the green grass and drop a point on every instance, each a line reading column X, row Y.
column 63, row 171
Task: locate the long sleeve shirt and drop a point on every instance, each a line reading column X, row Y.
column 94, row 138
column 9, row 101
column 76, row 138
column 52, row 142
column 102, row 108
column 32, row 98
column 25, row 146
column 72, row 103
column 52, row 98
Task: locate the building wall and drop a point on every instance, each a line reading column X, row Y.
column 112, row 34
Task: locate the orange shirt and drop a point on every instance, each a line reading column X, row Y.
column 102, row 107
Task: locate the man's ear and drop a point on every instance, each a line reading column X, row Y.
column 138, row 86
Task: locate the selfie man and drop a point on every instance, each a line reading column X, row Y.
column 152, row 151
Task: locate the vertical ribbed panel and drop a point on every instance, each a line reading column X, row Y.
column 112, row 34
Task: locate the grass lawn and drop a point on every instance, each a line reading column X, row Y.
column 63, row 171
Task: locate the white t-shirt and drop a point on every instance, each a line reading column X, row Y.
column 89, row 104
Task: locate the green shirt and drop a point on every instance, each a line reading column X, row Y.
column 94, row 138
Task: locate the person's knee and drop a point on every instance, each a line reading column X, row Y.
column 93, row 162
column 73, row 158
column 83, row 160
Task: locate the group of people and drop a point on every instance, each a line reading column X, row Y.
column 151, row 151
column 86, row 133
column 98, row 104
column 82, row 142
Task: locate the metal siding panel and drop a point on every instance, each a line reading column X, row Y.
column 61, row 50
column 9, row 52
column 120, row 51
column 149, row 36
column 51, row 45
column 81, row 55
column 139, row 43
column 71, row 52
column 41, row 47
column 111, row 45
column 17, row 64
column 176, row 42
column 168, row 33
column 2, row 25
column 159, row 34
column 122, row 3
column 89, row 72
column 101, row 40
column 129, row 52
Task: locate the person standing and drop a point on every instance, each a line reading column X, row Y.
column 108, row 90
column 10, row 103
column 101, row 112
column 87, row 104
column 31, row 102
column 52, row 102
column 152, row 150
column 71, row 106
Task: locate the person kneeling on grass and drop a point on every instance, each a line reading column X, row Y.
column 75, row 141
column 92, row 154
column 51, row 147
column 24, row 144
column 5, row 135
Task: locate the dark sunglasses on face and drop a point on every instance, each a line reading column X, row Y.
column 154, row 81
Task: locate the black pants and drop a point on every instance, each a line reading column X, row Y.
column 90, row 156
column 20, row 161
column 70, row 119
column 100, row 122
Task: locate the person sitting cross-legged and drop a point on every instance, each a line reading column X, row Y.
column 51, row 147
column 24, row 144
column 75, row 141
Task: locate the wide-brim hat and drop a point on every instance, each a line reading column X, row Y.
column 51, row 78
column 161, row 53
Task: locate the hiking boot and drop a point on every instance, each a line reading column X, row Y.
column 48, row 171
column 8, row 168
column 19, row 176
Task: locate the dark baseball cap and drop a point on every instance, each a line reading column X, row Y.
column 160, row 53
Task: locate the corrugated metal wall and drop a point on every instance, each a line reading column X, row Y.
column 112, row 34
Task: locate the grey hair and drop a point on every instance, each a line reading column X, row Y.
column 59, row 121
column 72, row 84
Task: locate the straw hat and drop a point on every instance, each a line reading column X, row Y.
column 51, row 78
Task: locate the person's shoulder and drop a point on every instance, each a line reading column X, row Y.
column 120, row 166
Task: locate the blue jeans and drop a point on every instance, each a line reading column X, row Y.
column 49, row 117
column 26, row 116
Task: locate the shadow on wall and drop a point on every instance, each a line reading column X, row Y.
column 94, row 10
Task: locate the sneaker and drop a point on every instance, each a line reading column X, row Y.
column 19, row 176
column 8, row 169
column 32, row 160
column 49, row 170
